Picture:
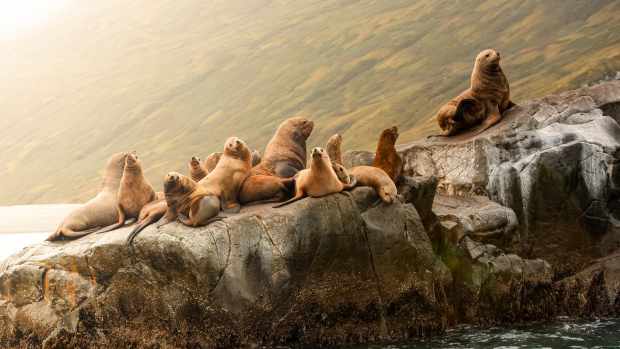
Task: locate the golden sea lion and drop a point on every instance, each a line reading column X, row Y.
column 99, row 211
column 134, row 192
column 376, row 178
column 318, row 180
column 227, row 177
column 211, row 161
column 190, row 203
column 386, row 157
column 196, row 169
column 342, row 173
column 333, row 146
column 483, row 104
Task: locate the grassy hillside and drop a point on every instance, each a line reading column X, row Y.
column 171, row 79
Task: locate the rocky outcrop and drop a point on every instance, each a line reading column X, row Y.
column 517, row 224
column 554, row 162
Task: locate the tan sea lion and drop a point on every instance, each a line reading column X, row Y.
column 196, row 169
column 227, row 177
column 376, row 178
column 190, row 203
column 483, row 104
column 99, row 211
column 342, row 173
column 285, row 153
column 134, row 192
column 386, row 157
column 333, row 146
column 211, row 161
column 318, row 180
column 255, row 157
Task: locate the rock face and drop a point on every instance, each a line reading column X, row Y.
column 331, row 270
column 518, row 224
column 555, row 162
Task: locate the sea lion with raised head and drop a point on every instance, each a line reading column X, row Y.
column 284, row 156
column 386, row 157
column 333, row 146
column 211, row 161
column 99, row 211
column 227, row 177
column 196, row 169
column 376, row 178
column 190, row 203
column 134, row 192
column 482, row 105
column 285, row 153
column 318, row 180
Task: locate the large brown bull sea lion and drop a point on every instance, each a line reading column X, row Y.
column 99, row 211
column 318, row 180
column 284, row 156
column 483, row 104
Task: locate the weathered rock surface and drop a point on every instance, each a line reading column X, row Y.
column 331, row 270
column 554, row 161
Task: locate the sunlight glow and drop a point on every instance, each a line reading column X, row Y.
column 18, row 16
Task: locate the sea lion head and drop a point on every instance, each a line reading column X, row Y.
column 132, row 161
column 237, row 148
column 387, row 194
column 195, row 162
column 488, row 59
column 335, row 139
column 341, row 172
column 319, row 155
column 300, row 126
column 390, row 135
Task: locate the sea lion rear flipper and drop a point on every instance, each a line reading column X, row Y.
column 290, row 201
column 68, row 233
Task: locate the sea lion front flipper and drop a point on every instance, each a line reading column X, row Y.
column 493, row 118
column 352, row 183
column 285, row 170
column 466, row 105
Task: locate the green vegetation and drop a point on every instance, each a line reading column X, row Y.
column 174, row 79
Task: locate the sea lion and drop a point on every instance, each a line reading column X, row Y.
column 333, row 148
column 227, row 177
column 376, row 178
column 99, row 211
column 483, row 104
column 190, row 203
column 285, row 153
column 134, row 192
column 211, row 161
column 386, row 157
column 342, row 173
column 255, row 157
column 284, row 156
column 318, row 180
column 196, row 169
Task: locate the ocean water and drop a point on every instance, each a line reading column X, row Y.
column 13, row 243
column 565, row 333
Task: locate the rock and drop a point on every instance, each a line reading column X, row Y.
column 352, row 158
column 476, row 217
column 321, row 271
column 554, row 161
column 419, row 191
column 491, row 286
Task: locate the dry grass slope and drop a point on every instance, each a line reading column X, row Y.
column 172, row 79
